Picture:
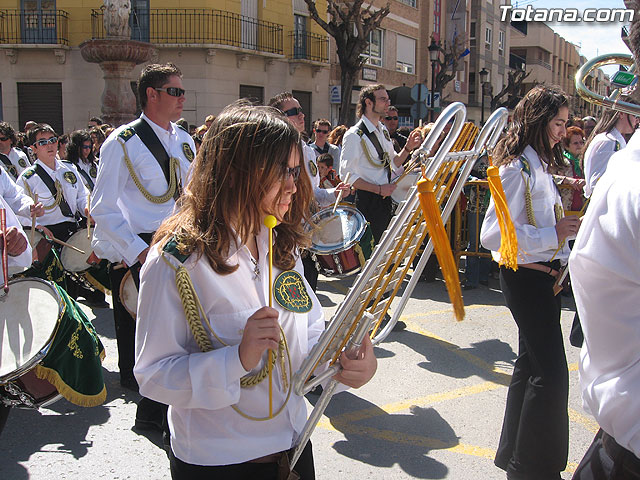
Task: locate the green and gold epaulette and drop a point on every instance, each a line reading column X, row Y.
column 524, row 163
column 127, row 133
column 29, row 172
column 359, row 132
column 172, row 249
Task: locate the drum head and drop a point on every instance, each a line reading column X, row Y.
column 72, row 260
column 335, row 232
column 405, row 184
column 129, row 294
column 29, row 316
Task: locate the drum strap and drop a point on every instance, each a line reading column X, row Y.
column 10, row 166
column 48, row 181
column 373, row 138
column 152, row 142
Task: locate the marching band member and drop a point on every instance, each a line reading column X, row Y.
column 143, row 166
column 535, row 433
column 80, row 153
column 20, row 203
column 13, row 160
column 606, row 139
column 208, row 370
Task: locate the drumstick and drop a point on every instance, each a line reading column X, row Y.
column 5, row 260
column 270, row 222
column 335, row 205
column 65, row 244
column 88, row 216
column 33, row 219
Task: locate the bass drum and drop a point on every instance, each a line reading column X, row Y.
column 341, row 242
column 129, row 294
column 72, row 260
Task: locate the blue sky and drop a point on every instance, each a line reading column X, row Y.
column 592, row 38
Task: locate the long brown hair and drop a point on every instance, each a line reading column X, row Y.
column 244, row 153
column 529, row 127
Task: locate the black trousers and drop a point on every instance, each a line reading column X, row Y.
column 535, row 432
column 310, row 271
column 241, row 471
column 377, row 211
column 607, row 460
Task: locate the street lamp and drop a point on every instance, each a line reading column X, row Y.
column 434, row 51
column 484, row 73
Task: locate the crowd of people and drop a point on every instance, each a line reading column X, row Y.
column 182, row 214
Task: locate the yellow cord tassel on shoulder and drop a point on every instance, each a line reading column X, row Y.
column 441, row 245
column 508, row 238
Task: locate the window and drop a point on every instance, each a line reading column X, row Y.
column 374, row 51
column 406, row 54
column 472, row 34
column 1, row 115
column 436, row 19
column 139, row 20
column 488, row 34
column 38, row 19
column 501, row 36
column 411, row 3
column 300, row 36
column 252, row 93
column 40, row 102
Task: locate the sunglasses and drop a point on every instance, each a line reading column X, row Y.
column 292, row 171
column 173, row 91
column 48, row 141
column 87, row 147
column 391, row 118
column 322, row 131
column 292, row 112
column 4, row 139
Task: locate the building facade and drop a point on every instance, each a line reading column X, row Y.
column 226, row 49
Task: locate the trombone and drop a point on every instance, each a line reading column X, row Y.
column 363, row 309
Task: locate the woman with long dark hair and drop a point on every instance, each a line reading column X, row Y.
column 535, row 433
column 80, row 153
column 203, row 326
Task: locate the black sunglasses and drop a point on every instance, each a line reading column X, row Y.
column 173, row 91
column 292, row 112
column 4, row 139
column 48, row 141
column 293, row 171
column 391, row 118
column 322, row 131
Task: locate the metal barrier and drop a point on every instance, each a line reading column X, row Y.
column 198, row 26
column 34, row 27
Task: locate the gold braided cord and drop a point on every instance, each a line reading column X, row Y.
column 174, row 166
column 57, row 199
column 531, row 218
column 508, row 238
column 377, row 164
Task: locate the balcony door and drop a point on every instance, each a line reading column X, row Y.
column 38, row 19
column 300, row 36
column 139, row 20
column 249, row 11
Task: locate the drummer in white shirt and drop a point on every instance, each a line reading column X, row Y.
column 13, row 160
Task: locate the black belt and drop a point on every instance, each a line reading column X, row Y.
column 627, row 460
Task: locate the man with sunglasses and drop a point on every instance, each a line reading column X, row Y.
column 391, row 122
column 321, row 129
column 12, row 160
column 143, row 166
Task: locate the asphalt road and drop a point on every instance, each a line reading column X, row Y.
column 434, row 409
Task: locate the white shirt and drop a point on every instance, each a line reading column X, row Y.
column 18, row 159
column 324, row 196
column 605, row 276
column 22, row 260
column 201, row 387
column 354, row 160
column 120, row 211
column 597, row 157
column 334, row 151
column 14, row 195
column 90, row 169
column 535, row 244
column 73, row 191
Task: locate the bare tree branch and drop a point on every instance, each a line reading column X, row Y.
column 511, row 90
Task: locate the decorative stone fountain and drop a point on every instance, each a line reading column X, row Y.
column 117, row 55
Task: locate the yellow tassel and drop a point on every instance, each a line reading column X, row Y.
column 508, row 238
column 441, row 245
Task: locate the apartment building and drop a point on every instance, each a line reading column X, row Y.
column 226, row 49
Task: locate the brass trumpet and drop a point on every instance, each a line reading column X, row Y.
column 613, row 101
column 363, row 309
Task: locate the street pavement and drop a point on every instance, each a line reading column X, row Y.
column 434, row 409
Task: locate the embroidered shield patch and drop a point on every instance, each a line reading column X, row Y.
column 312, row 168
column 386, row 135
column 290, row 292
column 126, row 134
column 70, row 177
column 22, row 162
column 13, row 171
column 93, row 171
column 186, row 149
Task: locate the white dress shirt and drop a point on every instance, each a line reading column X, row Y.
column 324, row 196
column 605, row 276
column 354, row 160
column 22, row 260
column 18, row 159
column 333, row 150
column 14, row 195
column 73, row 191
column 120, row 211
column 535, row 244
column 201, row 387
column 596, row 158
column 90, row 169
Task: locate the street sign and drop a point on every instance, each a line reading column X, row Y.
column 334, row 94
column 419, row 92
column 436, row 99
column 419, row 110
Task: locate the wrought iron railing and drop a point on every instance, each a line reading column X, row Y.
column 309, row 46
column 34, row 26
column 198, row 26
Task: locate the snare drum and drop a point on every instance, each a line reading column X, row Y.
column 129, row 294
column 404, row 185
column 49, row 348
column 341, row 241
column 72, row 260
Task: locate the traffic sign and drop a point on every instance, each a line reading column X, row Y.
column 436, row 99
column 419, row 92
column 419, row 110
